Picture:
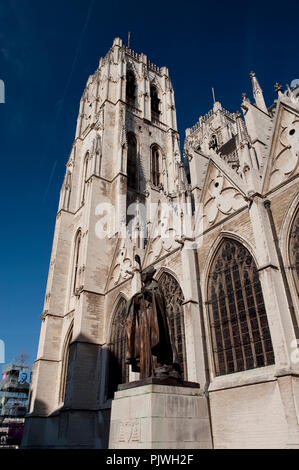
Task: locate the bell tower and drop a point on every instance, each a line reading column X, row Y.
column 124, row 160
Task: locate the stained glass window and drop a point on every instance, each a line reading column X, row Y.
column 239, row 326
column 118, row 369
column 174, row 299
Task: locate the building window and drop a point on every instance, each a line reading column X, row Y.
column 155, row 103
column 130, row 88
column 85, row 168
column 239, row 326
column 155, row 166
column 294, row 250
column 174, row 299
column 65, row 361
column 118, row 369
column 132, row 170
column 76, row 262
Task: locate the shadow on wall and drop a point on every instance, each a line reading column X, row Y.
column 67, row 428
column 83, row 421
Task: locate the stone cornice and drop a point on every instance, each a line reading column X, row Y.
column 92, row 292
column 120, row 173
column 267, row 266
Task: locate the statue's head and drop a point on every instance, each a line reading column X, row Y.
column 148, row 274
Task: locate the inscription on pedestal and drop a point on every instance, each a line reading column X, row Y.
column 129, row 431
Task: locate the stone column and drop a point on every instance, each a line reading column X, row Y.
column 279, row 316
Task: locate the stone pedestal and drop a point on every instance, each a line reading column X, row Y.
column 160, row 417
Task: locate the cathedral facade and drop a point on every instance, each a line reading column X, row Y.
column 221, row 230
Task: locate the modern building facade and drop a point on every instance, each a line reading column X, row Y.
column 14, row 402
column 224, row 242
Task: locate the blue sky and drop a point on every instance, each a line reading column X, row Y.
column 47, row 50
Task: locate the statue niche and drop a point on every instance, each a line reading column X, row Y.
column 151, row 349
column 213, row 142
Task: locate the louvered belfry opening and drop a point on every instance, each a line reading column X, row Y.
column 155, row 103
column 130, row 88
column 174, row 299
column 118, row 369
column 132, row 169
column 239, row 326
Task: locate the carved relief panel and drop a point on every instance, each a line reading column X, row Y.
column 220, row 199
column 285, row 160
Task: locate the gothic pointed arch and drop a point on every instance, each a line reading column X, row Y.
column 96, row 155
column 294, row 250
column 155, row 102
column 132, row 167
column 156, row 163
column 240, row 333
column 131, row 88
column 118, row 369
column 65, row 360
column 174, row 299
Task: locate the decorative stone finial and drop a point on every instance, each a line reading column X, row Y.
column 258, row 93
column 217, row 106
column 278, row 87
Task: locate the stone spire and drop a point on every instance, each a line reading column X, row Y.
column 278, row 89
column 248, row 169
column 258, row 93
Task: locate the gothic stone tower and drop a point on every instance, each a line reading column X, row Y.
column 124, row 164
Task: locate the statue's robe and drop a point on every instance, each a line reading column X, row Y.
column 148, row 332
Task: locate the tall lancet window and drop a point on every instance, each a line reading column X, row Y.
column 130, row 88
column 75, row 281
column 239, row 326
column 132, row 168
column 294, row 250
column 174, row 299
column 85, row 168
column 65, row 361
column 118, row 369
column 155, row 102
column 155, row 166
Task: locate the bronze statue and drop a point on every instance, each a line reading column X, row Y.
column 151, row 350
